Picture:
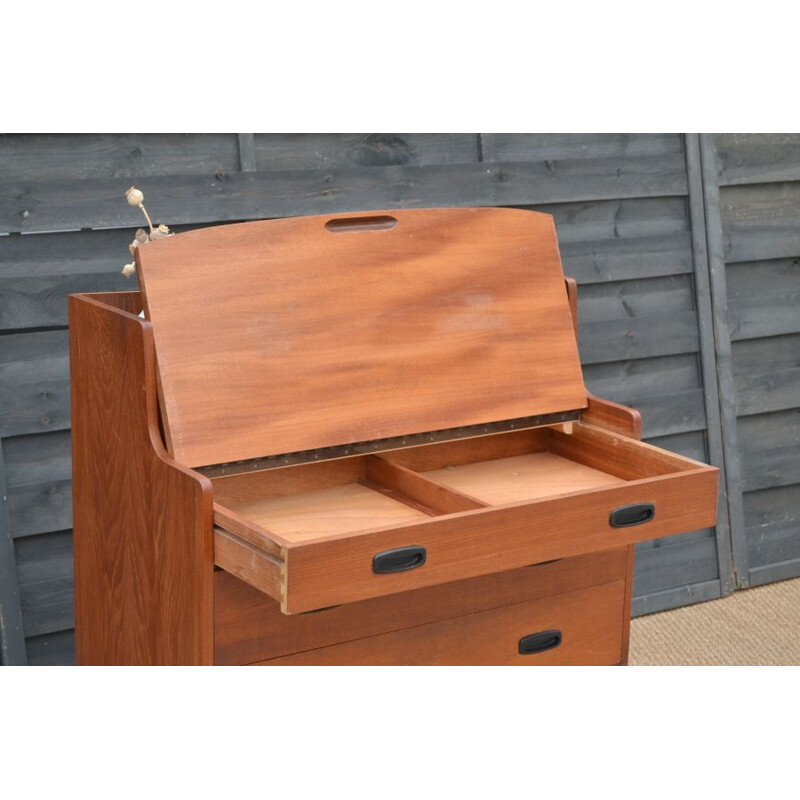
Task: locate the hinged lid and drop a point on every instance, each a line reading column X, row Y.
column 308, row 332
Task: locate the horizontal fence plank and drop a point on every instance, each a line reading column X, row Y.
column 673, row 413
column 606, row 260
column 124, row 156
column 664, row 544
column 692, row 444
column 763, row 298
column 782, row 571
column 60, row 205
column 552, row 146
column 304, row 151
column 39, row 482
column 757, row 280
column 776, row 507
column 635, row 299
column 756, row 320
column 774, row 353
column 614, row 220
column 628, row 381
column 34, row 383
column 744, row 158
column 773, row 543
column 688, row 562
column 54, row 649
column 44, row 557
column 765, row 392
column 761, row 222
column 779, row 466
column 674, row 598
column 48, row 606
column 776, row 429
column 619, row 340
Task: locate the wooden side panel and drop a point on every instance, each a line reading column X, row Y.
column 142, row 524
column 588, row 621
column 372, row 325
column 249, row 627
column 613, row 417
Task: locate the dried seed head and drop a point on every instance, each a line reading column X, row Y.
column 134, row 196
column 141, row 236
column 161, row 232
column 129, row 269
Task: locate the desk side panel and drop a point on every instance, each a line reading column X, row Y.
column 142, row 523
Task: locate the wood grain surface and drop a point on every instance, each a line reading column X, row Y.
column 588, row 620
column 508, row 480
column 285, row 335
column 142, row 523
column 249, row 626
column 251, row 564
column 324, row 512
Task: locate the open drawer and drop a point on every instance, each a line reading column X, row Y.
column 326, row 533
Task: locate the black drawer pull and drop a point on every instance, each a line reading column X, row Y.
column 399, row 560
column 539, row 642
column 625, row 516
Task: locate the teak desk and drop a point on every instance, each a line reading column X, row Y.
column 357, row 439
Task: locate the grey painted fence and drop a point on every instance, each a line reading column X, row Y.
column 635, row 217
column 753, row 182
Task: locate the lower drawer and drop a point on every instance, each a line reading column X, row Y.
column 579, row 628
column 249, row 626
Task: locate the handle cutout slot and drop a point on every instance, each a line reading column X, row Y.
column 360, row 224
column 400, row 560
column 636, row 514
column 539, row 642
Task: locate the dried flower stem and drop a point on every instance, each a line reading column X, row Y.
column 146, row 216
column 135, row 198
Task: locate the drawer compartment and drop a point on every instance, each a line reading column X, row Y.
column 579, row 628
column 462, row 509
column 249, row 625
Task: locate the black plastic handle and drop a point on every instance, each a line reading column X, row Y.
column 399, row 560
column 539, row 642
column 636, row 514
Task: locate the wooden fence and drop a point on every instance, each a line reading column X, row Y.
column 685, row 248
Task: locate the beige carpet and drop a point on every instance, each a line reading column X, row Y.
column 758, row 626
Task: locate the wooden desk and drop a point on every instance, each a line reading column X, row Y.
column 377, row 449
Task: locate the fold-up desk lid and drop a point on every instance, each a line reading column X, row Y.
column 293, row 334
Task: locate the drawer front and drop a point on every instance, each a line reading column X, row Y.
column 249, row 626
column 580, row 628
column 340, row 569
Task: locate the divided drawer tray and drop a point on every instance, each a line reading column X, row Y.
column 333, row 532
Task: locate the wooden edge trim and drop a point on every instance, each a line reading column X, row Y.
column 431, row 494
column 669, row 460
column 572, row 298
column 254, row 534
column 626, row 606
column 250, row 564
column 612, row 416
